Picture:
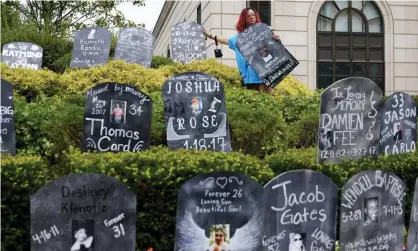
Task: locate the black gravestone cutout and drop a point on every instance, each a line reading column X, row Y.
column 350, row 120
column 91, row 47
column 135, row 45
column 117, row 117
column 187, row 42
column 83, row 210
column 372, row 212
column 227, row 200
column 412, row 241
column 195, row 113
column 7, row 121
column 300, row 210
column 398, row 124
column 22, row 55
column 267, row 56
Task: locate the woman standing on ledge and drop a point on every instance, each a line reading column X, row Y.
column 251, row 79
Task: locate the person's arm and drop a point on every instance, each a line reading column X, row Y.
column 222, row 40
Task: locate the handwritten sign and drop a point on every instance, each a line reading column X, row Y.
column 398, row 124
column 7, row 121
column 135, row 45
column 220, row 209
column 117, row 118
column 300, row 212
column 412, row 241
column 372, row 212
column 349, row 121
column 187, row 42
column 195, row 113
column 22, row 55
column 267, row 56
column 91, row 47
column 83, row 212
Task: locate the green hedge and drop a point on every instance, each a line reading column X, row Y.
column 156, row 176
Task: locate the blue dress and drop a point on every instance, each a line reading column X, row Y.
column 247, row 72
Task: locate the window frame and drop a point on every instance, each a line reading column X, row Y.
column 257, row 8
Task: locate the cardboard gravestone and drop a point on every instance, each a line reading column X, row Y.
column 412, row 242
column 195, row 113
column 350, row 120
column 117, row 117
column 372, row 212
column 187, row 42
column 7, row 121
column 83, row 210
column 22, row 55
column 135, row 45
column 398, row 124
column 267, row 56
column 300, row 211
column 219, row 209
column 91, row 47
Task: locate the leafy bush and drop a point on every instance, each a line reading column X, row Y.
column 158, row 61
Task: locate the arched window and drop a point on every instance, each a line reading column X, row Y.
column 350, row 42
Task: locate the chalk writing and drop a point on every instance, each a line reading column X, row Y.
column 45, row 235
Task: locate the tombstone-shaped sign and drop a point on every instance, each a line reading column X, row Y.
column 91, row 47
column 398, row 124
column 7, row 121
column 372, row 212
column 22, row 55
column 195, row 113
column 300, row 212
column 412, row 242
column 83, row 212
column 350, row 120
column 187, row 42
column 117, row 118
column 220, row 209
column 267, row 56
column 135, row 45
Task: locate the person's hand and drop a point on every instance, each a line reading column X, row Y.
column 276, row 36
column 206, row 32
column 217, row 248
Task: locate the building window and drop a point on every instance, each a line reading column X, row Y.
column 350, row 42
column 199, row 14
column 263, row 8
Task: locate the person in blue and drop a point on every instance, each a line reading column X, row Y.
column 250, row 78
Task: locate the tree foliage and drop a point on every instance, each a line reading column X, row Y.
column 65, row 17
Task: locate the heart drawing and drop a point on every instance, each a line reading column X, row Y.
column 221, row 181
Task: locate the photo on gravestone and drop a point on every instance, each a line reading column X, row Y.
column 117, row 118
column 412, row 240
column 349, row 120
column 22, row 55
column 195, row 113
column 187, row 42
column 219, row 211
column 91, row 47
column 83, row 238
column 7, row 121
column 372, row 212
column 398, row 124
column 135, row 45
column 83, row 212
column 267, row 56
column 300, row 212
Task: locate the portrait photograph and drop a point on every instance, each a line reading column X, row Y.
column 297, row 241
column 266, row 55
column 219, row 237
column 371, row 210
column 117, row 111
column 397, row 132
column 82, row 232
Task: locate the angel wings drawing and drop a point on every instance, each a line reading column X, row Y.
column 190, row 237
